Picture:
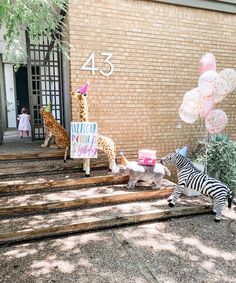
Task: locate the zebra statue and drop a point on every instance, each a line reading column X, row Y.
column 189, row 176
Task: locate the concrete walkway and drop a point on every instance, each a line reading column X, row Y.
column 191, row 249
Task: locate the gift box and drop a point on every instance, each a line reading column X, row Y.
column 147, row 157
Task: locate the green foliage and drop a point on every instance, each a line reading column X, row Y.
column 220, row 151
column 41, row 18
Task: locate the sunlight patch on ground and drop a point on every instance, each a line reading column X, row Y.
column 208, row 250
column 48, row 265
column 19, row 252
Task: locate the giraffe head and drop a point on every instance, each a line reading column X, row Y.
column 81, row 95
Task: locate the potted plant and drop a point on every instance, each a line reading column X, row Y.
column 218, row 154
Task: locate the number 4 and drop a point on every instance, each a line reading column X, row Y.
column 92, row 67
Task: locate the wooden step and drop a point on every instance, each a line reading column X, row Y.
column 103, row 222
column 24, row 155
column 65, row 200
column 71, row 216
column 20, row 186
column 14, row 170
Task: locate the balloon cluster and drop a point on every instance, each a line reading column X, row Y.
column 212, row 88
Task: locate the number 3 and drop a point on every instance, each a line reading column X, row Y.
column 109, row 55
column 92, row 68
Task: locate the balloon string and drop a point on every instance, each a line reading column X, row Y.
column 206, row 145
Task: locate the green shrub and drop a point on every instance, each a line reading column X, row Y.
column 221, row 158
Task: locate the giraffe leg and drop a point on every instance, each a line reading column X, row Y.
column 65, row 153
column 86, row 166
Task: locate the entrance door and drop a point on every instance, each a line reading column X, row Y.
column 22, row 93
column 45, row 84
column 1, row 122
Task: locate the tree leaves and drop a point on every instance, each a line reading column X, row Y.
column 41, row 18
column 221, row 158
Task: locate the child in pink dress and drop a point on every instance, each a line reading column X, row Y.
column 24, row 122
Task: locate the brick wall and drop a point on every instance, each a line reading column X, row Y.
column 156, row 49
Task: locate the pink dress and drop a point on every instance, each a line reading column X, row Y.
column 24, row 122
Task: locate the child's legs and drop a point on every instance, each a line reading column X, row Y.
column 21, row 133
column 27, row 133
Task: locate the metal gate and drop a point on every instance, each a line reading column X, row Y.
column 45, row 84
column 1, row 122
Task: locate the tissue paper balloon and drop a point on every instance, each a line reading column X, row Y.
column 207, row 104
column 216, row 121
column 207, row 63
column 229, row 75
column 206, row 89
column 219, row 86
column 221, row 91
column 210, row 78
column 187, row 115
column 191, row 100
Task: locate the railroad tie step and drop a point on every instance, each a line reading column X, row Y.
column 102, row 222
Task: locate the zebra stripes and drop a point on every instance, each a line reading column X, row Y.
column 189, row 176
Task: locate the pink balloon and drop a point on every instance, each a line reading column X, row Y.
column 187, row 115
column 216, row 121
column 206, row 107
column 207, row 63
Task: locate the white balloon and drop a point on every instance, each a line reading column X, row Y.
column 221, row 91
column 210, row 78
column 187, row 115
column 191, row 100
column 229, row 75
column 216, row 121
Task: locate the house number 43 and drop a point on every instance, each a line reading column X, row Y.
column 89, row 65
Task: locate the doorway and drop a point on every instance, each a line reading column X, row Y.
column 22, row 93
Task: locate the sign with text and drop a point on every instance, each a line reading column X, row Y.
column 83, row 140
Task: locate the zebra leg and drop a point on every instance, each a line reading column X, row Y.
column 175, row 196
column 217, row 208
column 86, row 166
column 214, row 206
column 169, row 199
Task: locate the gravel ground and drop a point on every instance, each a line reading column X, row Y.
column 190, row 249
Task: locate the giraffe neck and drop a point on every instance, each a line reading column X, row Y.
column 83, row 108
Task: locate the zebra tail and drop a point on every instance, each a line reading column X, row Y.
column 230, row 198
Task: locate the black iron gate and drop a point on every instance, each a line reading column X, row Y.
column 45, row 83
column 1, row 122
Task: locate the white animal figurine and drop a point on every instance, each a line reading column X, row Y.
column 151, row 174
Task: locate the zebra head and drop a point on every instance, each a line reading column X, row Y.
column 175, row 158
column 169, row 158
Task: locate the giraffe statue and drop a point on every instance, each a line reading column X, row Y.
column 104, row 143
